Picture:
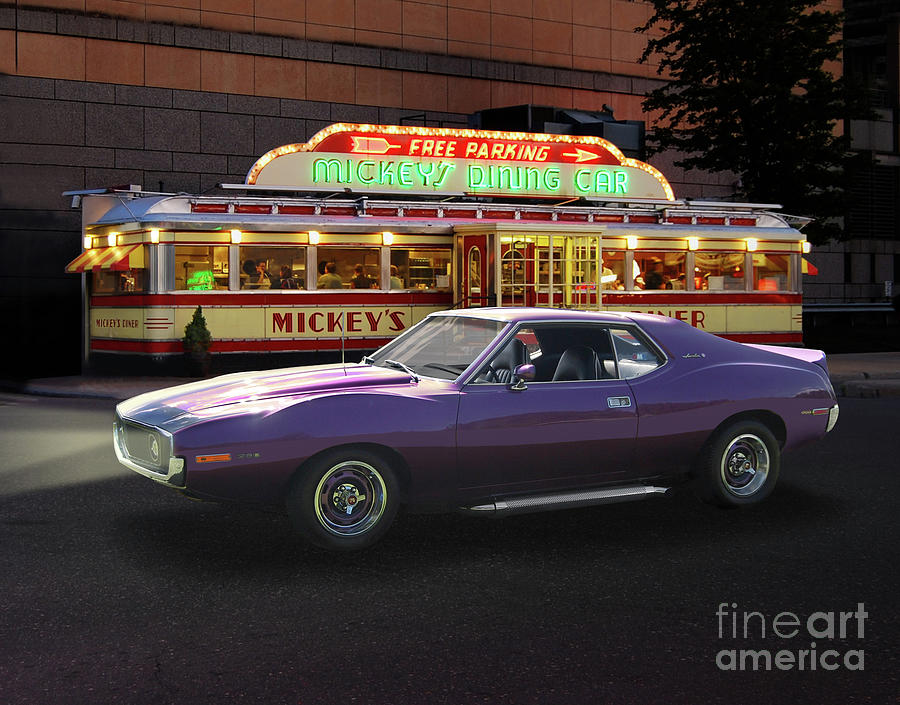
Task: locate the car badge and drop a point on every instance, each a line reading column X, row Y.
column 154, row 449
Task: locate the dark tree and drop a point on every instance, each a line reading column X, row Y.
column 751, row 92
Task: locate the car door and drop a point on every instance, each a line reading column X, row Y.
column 551, row 434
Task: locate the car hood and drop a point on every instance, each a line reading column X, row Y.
column 241, row 387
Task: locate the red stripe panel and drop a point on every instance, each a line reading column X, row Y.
column 280, row 299
column 699, row 298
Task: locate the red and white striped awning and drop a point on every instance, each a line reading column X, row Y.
column 809, row 268
column 117, row 259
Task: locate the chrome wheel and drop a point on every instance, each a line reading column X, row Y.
column 350, row 498
column 739, row 465
column 745, row 465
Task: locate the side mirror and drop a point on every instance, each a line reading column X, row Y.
column 526, row 372
column 520, row 374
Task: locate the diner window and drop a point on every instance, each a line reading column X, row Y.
column 349, row 268
column 612, row 277
column 105, row 281
column 272, row 267
column 659, row 270
column 719, row 271
column 201, row 268
column 771, row 272
column 420, row 269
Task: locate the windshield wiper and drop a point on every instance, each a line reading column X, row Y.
column 400, row 366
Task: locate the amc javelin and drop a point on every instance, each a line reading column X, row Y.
column 492, row 411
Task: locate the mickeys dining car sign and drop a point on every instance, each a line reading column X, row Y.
column 400, row 159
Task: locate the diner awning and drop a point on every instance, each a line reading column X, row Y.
column 118, row 259
column 809, row 268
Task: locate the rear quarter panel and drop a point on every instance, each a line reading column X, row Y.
column 707, row 380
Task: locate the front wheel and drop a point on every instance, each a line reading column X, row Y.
column 739, row 465
column 344, row 501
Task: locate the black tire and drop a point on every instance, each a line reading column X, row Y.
column 344, row 500
column 739, row 465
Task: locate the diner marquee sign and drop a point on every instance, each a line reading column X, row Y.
column 398, row 159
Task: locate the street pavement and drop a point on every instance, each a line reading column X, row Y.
column 859, row 375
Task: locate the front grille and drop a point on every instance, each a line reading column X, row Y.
column 144, row 445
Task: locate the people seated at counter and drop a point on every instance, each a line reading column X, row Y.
column 254, row 275
column 330, row 279
column 360, row 280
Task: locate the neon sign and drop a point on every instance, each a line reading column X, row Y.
column 201, row 280
column 392, row 159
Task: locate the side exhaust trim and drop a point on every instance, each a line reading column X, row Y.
column 563, row 500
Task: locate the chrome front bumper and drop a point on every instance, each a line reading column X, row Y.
column 148, row 451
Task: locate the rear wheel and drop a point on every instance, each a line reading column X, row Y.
column 344, row 501
column 739, row 465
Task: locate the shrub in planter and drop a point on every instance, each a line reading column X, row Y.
column 197, row 340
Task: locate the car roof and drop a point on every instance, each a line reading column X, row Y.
column 513, row 314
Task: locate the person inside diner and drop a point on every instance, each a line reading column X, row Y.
column 396, row 281
column 287, row 278
column 653, row 280
column 360, row 280
column 330, row 279
column 263, row 281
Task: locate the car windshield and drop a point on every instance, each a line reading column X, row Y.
column 441, row 346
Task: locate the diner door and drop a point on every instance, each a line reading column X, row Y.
column 477, row 272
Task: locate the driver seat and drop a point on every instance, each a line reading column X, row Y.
column 505, row 364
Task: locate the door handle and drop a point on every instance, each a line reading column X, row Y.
column 618, row 402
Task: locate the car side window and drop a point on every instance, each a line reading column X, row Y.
column 523, row 348
column 635, row 358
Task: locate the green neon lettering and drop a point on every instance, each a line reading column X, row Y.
column 506, row 173
column 365, row 172
column 602, row 181
column 404, row 177
column 532, row 178
column 551, row 179
column 426, row 174
column 386, row 173
column 445, row 169
column 322, row 171
column 580, row 186
column 621, row 181
column 476, row 176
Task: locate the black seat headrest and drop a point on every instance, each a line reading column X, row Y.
column 577, row 363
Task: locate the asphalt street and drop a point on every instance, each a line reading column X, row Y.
column 116, row 590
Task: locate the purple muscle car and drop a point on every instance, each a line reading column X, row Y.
column 492, row 411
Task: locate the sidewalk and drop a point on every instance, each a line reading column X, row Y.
column 865, row 375
column 861, row 375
